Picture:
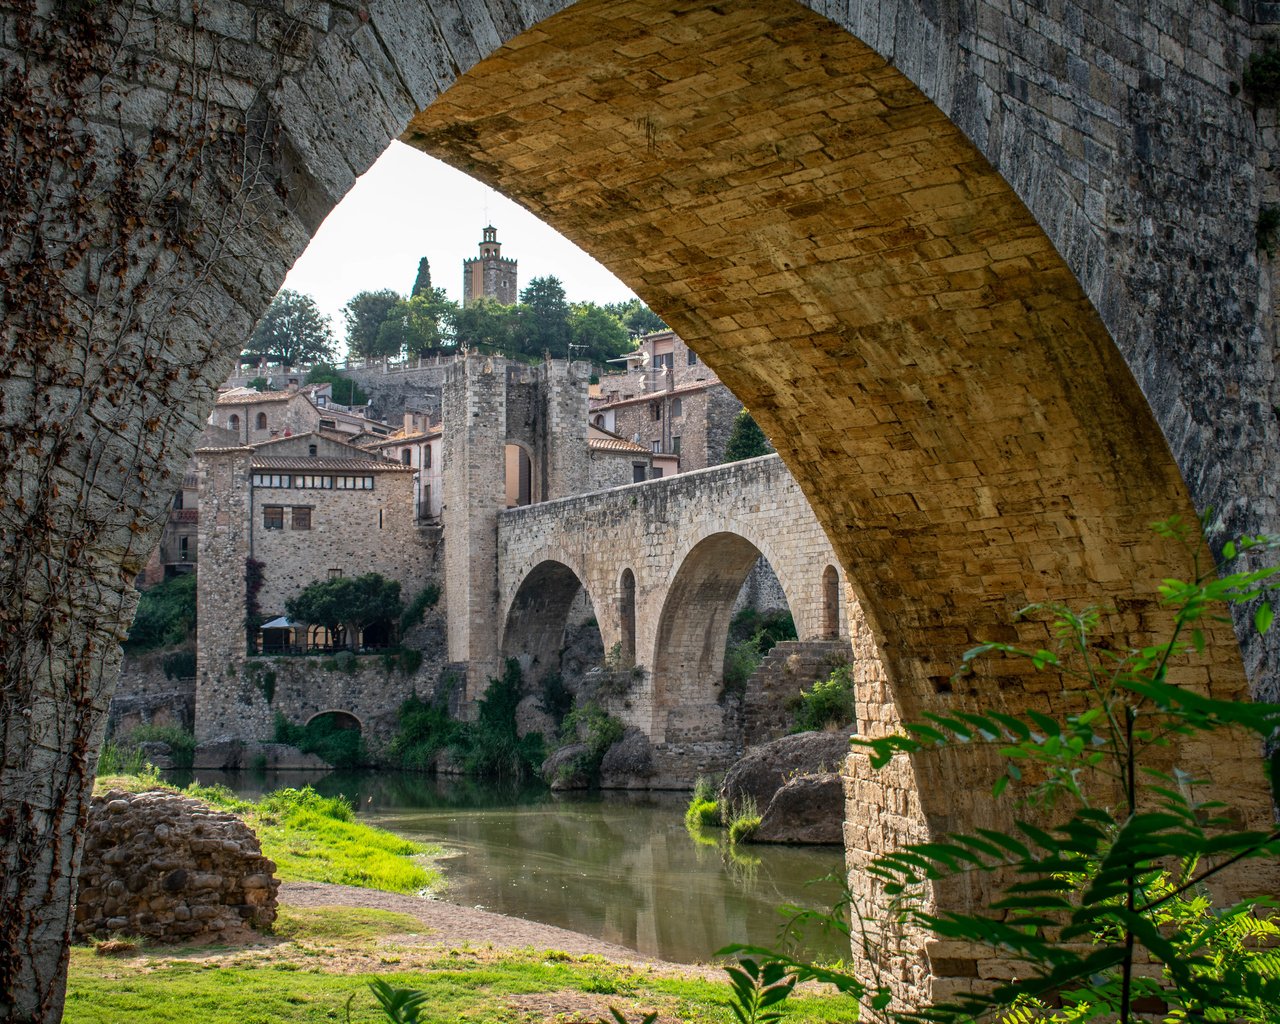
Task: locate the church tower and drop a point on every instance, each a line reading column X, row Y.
column 489, row 275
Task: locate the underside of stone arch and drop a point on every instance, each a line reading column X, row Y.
column 537, row 617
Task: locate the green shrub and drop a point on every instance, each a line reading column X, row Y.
column 704, row 789
column 741, row 659
column 322, row 736
column 828, row 702
column 591, row 725
column 180, row 741
column 424, row 728
column 744, row 819
column 117, row 759
column 407, row 659
column 166, row 615
column 490, row 746
column 701, row 813
column 556, row 699
column 425, row 598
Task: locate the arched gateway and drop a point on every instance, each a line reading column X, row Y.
column 995, row 299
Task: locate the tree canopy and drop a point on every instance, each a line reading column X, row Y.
column 635, row 316
column 422, row 283
column 345, row 390
column 746, row 439
column 292, row 330
column 364, row 315
column 351, row 603
column 542, row 320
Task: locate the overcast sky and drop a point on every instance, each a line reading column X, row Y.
column 408, row 206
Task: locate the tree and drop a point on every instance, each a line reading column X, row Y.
column 486, row 324
column 345, row 390
column 746, row 439
column 422, row 283
column 636, row 317
column 426, row 322
column 352, row 603
column 293, row 330
column 597, row 332
column 364, row 315
column 542, row 322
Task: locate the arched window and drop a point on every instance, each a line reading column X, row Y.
column 262, row 421
column 830, row 603
column 406, row 456
column 233, row 422
column 627, row 615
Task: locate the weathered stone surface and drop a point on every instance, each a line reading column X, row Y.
column 169, row 868
column 806, row 809
column 531, row 718
column 559, row 769
column 235, row 754
column 765, row 769
column 627, row 763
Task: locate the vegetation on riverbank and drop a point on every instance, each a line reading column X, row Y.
column 312, row 838
column 328, row 956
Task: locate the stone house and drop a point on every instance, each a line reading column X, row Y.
column 691, row 422
column 256, row 416
column 661, row 361
column 615, row 461
column 419, row 444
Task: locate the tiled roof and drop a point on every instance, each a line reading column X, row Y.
column 653, row 396
column 325, row 464
column 609, row 444
column 247, row 396
column 393, row 440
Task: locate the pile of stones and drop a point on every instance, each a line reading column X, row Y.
column 169, row 868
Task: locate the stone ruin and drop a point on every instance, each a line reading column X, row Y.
column 169, row 868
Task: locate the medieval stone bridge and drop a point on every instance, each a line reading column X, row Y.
column 662, row 562
column 987, row 272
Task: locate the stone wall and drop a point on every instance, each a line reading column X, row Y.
column 146, row 696
column 789, row 667
column 167, row 868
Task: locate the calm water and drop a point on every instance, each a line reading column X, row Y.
column 619, row 866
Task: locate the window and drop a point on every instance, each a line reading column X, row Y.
column 656, row 474
column 677, row 407
column 335, row 574
column 262, row 421
column 426, row 456
column 311, row 450
column 638, row 472
column 693, row 357
column 233, row 422
column 184, row 549
column 330, row 424
column 273, row 517
column 656, row 409
column 301, row 517
column 274, row 480
column 352, row 483
column 406, row 456
column 675, row 445
column 667, row 360
column 177, row 500
column 657, row 447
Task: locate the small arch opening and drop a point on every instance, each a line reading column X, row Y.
column 519, row 476
column 627, row 615
column 261, row 422
column 830, row 603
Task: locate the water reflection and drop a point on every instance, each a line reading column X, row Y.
column 617, row 865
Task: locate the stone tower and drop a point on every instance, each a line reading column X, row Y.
column 489, row 275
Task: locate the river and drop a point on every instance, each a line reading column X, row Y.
column 616, row 865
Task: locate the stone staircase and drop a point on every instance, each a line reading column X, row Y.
column 788, row 668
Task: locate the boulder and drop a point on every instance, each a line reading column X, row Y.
column 628, row 761
column 560, row 770
column 233, row 754
column 157, row 753
column 531, row 718
column 168, row 867
column 807, row 809
column 763, row 770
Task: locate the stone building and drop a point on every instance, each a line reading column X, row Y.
column 615, row 461
column 256, row 416
column 691, row 423
column 303, row 508
column 490, row 275
column 419, row 443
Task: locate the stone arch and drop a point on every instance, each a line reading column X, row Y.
column 688, row 655
column 260, row 423
column 341, row 718
column 537, row 615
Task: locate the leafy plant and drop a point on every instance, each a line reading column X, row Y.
column 592, row 725
column 759, row 989
column 351, row 602
column 401, row 1005
column 427, row 597
column 491, row 746
column 1106, row 907
column 179, row 664
column 166, row 615
column 828, row 701
column 322, row 736
column 424, row 729
column 182, row 742
column 744, row 819
column 556, row 699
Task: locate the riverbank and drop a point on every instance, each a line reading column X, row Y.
column 476, row 967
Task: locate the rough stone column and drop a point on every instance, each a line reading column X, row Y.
column 225, row 548
column 475, row 415
column 562, row 441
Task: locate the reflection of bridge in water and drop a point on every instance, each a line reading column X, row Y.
column 662, row 563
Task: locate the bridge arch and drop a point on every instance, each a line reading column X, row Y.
column 537, row 615
column 805, row 203
column 341, row 719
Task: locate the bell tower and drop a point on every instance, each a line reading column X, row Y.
column 489, row 275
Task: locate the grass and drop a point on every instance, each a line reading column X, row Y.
column 327, row 955
column 313, row 838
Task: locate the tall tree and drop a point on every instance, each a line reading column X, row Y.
column 746, row 439
column 293, row 330
column 422, row 283
column 542, row 323
column 597, row 332
column 488, row 325
column 364, row 315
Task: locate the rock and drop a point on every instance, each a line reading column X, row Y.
column 628, row 761
column 531, row 718
column 233, row 754
column 560, row 771
column 157, row 753
column 166, row 866
column 763, row 770
column 224, row 753
column 808, row 809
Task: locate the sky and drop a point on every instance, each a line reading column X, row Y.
column 409, row 205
